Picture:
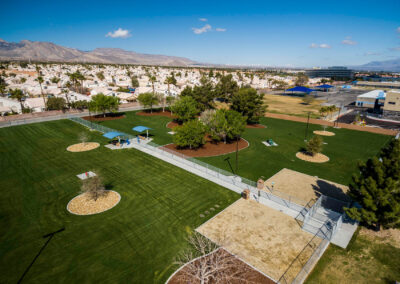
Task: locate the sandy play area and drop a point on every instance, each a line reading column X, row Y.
column 265, row 238
column 83, row 205
column 324, row 133
column 317, row 158
column 305, row 187
column 82, row 147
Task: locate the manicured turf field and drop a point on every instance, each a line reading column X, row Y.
column 344, row 149
column 135, row 242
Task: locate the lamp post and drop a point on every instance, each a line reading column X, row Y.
column 308, row 121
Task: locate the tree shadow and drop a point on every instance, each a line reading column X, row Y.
column 331, row 190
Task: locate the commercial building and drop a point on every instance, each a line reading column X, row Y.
column 391, row 108
column 385, row 85
column 373, row 100
column 331, row 72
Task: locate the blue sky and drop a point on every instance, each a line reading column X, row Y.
column 274, row 33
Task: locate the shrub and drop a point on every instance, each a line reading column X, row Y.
column 314, row 145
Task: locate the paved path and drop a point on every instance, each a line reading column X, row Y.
column 341, row 125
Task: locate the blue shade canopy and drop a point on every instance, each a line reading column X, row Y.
column 112, row 134
column 301, row 89
column 325, row 86
column 140, row 128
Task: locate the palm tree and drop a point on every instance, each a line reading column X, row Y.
column 153, row 79
column 66, row 91
column 18, row 95
column 169, row 80
column 40, row 80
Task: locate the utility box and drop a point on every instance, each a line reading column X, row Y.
column 260, row 184
column 246, row 194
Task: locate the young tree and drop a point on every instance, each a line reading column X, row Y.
column 301, row 80
column 170, row 100
column 249, row 103
column 104, row 104
column 55, row 103
column 83, row 137
column 148, row 100
column 94, row 187
column 190, row 134
column 314, row 145
column 185, row 109
column 308, row 99
column 377, row 189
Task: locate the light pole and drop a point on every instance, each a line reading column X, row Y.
column 308, row 121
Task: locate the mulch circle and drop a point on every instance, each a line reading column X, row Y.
column 209, row 149
column 317, row 158
column 235, row 266
column 173, row 124
column 102, row 118
column 156, row 113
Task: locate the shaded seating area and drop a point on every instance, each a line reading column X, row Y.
column 117, row 138
column 140, row 129
column 300, row 89
column 324, row 87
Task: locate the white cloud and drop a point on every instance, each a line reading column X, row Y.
column 204, row 29
column 203, row 19
column 397, row 48
column 220, row 30
column 120, row 33
column 349, row 41
column 322, row 45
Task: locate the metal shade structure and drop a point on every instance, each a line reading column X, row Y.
column 113, row 134
column 300, row 89
column 324, row 86
column 140, row 129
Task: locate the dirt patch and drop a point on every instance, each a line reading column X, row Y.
column 291, row 105
column 389, row 236
column 83, row 205
column 328, row 123
column 209, row 149
column 82, row 147
column 263, row 237
column 317, row 158
column 173, row 124
column 30, row 73
column 237, row 267
column 255, row 126
column 156, row 113
column 305, row 187
column 109, row 116
column 324, row 133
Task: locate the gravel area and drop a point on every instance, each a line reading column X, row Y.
column 317, row 158
column 82, row 147
column 324, row 133
column 83, row 205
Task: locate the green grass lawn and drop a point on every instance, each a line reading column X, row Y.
column 135, row 242
column 158, row 124
column 366, row 260
column 344, row 149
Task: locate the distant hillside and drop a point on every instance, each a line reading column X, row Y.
column 392, row 65
column 47, row 51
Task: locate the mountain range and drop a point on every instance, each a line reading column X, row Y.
column 47, row 51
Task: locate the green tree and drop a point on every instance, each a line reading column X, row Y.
column 190, row 134
column 100, row 75
column 55, row 80
column 314, row 145
column 226, row 87
column 103, row 103
column 170, row 100
column 185, row 108
column 3, row 85
column 134, row 82
column 236, row 124
column 301, row 80
column 40, row 80
column 376, row 187
column 170, row 80
column 148, row 100
column 249, row 103
column 19, row 96
column 55, row 103
column 153, row 80
column 203, row 94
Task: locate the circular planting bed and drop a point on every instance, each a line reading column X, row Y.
column 324, row 133
column 82, row 147
column 209, row 149
column 155, row 113
column 317, row 158
column 83, row 205
column 109, row 116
